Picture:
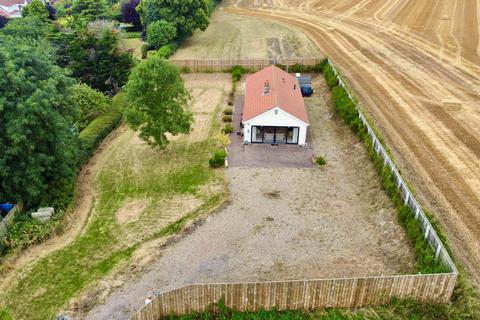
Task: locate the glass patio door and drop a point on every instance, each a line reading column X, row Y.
column 268, row 134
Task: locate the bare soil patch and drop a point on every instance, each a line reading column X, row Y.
column 131, row 211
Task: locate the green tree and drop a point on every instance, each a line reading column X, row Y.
column 90, row 102
column 29, row 28
column 186, row 15
column 89, row 10
column 157, row 102
column 38, row 146
column 36, row 8
column 95, row 59
column 160, row 33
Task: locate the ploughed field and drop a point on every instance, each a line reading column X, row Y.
column 404, row 58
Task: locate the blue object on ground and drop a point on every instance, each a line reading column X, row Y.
column 5, row 208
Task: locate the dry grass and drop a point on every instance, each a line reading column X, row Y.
column 141, row 194
column 233, row 36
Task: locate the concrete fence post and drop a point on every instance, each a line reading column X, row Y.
column 437, row 253
column 427, row 231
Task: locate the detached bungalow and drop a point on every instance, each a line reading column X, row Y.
column 274, row 110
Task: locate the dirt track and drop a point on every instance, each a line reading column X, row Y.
column 403, row 57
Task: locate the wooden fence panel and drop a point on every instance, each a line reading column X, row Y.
column 6, row 223
column 225, row 65
column 298, row 295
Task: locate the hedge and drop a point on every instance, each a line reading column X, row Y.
column 97, row 130
column 301, row 68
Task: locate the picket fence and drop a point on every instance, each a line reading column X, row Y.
column 319, row 293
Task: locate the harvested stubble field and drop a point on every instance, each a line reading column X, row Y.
column 286, row 223
column 404, row 58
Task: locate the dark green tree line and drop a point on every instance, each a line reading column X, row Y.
column 37, row 143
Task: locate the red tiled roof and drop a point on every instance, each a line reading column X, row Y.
column 9, row 3
column 284, row 92
column 4, row 13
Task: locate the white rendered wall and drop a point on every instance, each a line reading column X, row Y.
column 278, row 119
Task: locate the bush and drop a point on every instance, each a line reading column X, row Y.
column 27, row 231
column 317, row 68
column 228, row 112
column 218, row 159
column 231, row 97
column 228, row 129
column 166, row 51
column 321, row 161
column 227, row 118
column 90, row 102
column 145, row 48
column 330, row 76
column 97, row 130
column 4, row 314
column 237, row 72
column 160, row 33
column 346, row 108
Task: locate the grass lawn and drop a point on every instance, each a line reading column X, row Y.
column 133, row 44
column 131, row 171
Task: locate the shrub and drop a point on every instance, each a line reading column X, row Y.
column 228, row 112
column 129, row 12
column 231, row 98
column 166, row 51
column 321, row 161
column 145, row 48
column 223, row 139
column 160, row 33
column 97, row 130
column 90, row 103
column 27, row 231
column 4, row 314
column 228, row 129
column 317, row 68
column 330, row 76
column 218, row 159
column 237, row 72
column 227, row 118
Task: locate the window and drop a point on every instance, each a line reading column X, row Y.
column 268, row 134
column 257, row 134
column 280, row 134
column 292, row 135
